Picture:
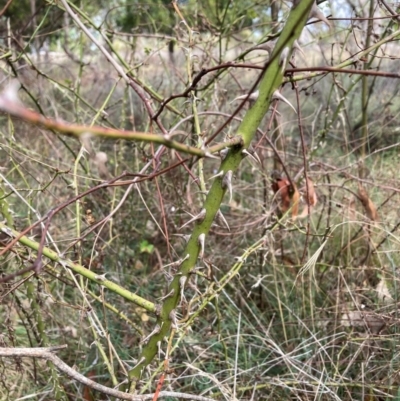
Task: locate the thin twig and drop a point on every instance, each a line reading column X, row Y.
column 390, row 9
column 5, row 7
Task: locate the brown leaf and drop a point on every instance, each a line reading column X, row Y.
column 368, row 205
column 369, row 320
column 310, row 198
column 87, row 392
column 289, row 197
column 295, row 202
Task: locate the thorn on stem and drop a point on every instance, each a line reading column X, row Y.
column 199, row 217
column 253, row 155
column 221, row 218
column 227, row 183
column 219, row 174
column 174, row 322
column 278, row 96
column 202, row 240
column 182, row 282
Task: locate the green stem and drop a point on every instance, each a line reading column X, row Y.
column 270, row 83
column 79, row 269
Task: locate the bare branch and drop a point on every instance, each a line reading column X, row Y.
column 48, row 355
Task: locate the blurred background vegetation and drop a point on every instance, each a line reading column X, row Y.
column 313, row 312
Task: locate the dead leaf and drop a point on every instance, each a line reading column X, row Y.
column 310, row 198
column 289, row 197
column 383, row 292
column 368, row 205
column 369, row 320
column 87, row 391
column 90, row 219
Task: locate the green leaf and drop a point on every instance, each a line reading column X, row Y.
column 146, row 247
